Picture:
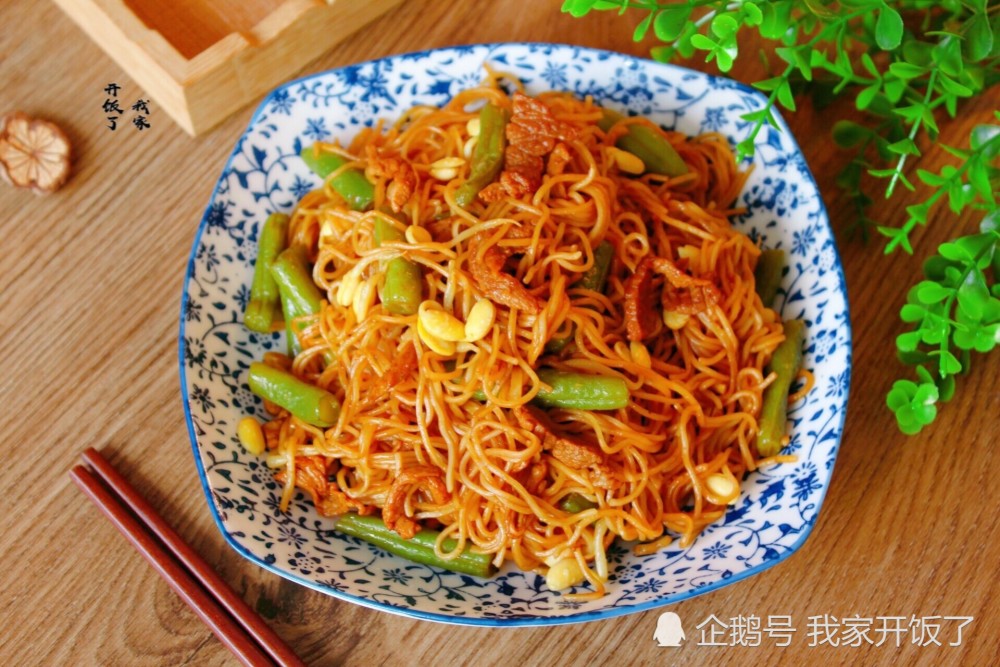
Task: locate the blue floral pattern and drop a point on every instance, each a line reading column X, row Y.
column 779, row 504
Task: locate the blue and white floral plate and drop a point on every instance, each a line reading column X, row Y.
column 779, row 504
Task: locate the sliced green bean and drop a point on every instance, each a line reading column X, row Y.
column 419, row 548
column 647, row 145
column 350, row 184
column 767, row 275
column 487, row 159
column 593, row 279
column 291, row 272
column 309, row 403
column 582, row 391
column 557, row 345
column 264, row 296
column 785, row 362
column 289, row 313
column 402, row 289
column 596, row 276
column 574, row 503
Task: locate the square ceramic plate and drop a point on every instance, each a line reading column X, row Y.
column 778, row 505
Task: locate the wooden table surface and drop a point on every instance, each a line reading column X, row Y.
column 91, row 283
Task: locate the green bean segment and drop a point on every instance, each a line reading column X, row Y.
column 350, row 184
column 582, row 391
column 596, row 276
column 288, row 311
column 487, row 159
column 593, row 279
column 419, row 549
column 292, row 274
column 264, row 296
column 767, row 275
column 402, row 289
column 785, row 363
column 646, row 144
column 574, row 503
column 308, row 402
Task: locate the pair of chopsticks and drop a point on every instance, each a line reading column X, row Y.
column 209, row 596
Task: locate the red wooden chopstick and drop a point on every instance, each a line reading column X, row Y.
column 244, row 632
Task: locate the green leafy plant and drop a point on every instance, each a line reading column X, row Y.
column 907, row 65
column 955, row 311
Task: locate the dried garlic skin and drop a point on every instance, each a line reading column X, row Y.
column 33, row 153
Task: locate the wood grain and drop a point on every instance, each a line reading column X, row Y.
column 91, row 281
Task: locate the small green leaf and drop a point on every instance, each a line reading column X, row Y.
column 894, row 89
column 912, row 358
column 978, row 38
column 888, row 28
column 848, row 134
column 640, row 30
column 703, row 42
column 911, row 113
column 925, row 378
column 819, row 9
column 670, row 22
column 912, row 312
column 908, row 342
column 725, row 56
column 990, row 223
column 934, row 331
column 973, row 295
column 985, row 138
column 935, row 267
column 797, row 57
column 913, row 404
column 948, row 56
column 959, row 195
column 948, row 364
column 724, row 26
column 897, row 239
column 869, row 64
column 953, row 87
column 923, row 403
column 929, row 292
column 767, row 85
column 904, row 146
column 918, row 53
column 578, row 8
column 981, row 339
column 785, row 97
column 905, row 71
column 946, row 388
column 663, row 53
column 866, row 96
column 901, row 393
column 962, row 154
column 979, row 179
column 775, row 19
column 919, row 212
column 930, row 124
column 991, row 312
column 953, row 251
column 929, row 177
column 752, row 14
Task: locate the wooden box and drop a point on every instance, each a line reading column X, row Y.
column 201, row 60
